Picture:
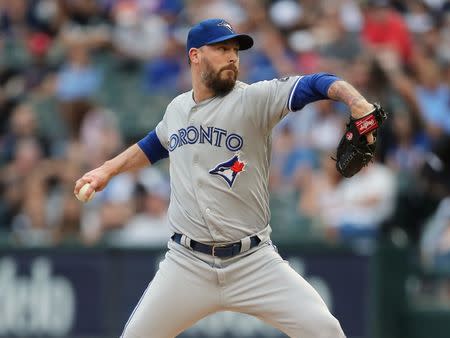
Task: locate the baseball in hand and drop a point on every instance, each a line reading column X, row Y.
column 82, row 193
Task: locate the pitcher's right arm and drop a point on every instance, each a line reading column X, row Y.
column 147, row 151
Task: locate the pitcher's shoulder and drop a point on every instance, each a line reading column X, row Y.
column 240, row 85
column 252, row 89
column 181, row 101
column 183, row 98
column 255, row 86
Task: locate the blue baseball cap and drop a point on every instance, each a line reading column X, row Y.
column 210, row 31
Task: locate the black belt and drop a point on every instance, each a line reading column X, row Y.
column 221, row 251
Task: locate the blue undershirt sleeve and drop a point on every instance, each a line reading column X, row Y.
column 310, row 88
column 153, row 148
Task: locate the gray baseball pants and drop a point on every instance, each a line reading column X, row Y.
column 190, row 285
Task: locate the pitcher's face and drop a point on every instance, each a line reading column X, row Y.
column 219, row 66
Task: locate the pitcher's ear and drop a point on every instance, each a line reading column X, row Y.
column 193, row 55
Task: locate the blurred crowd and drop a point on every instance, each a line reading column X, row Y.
column 80, row 80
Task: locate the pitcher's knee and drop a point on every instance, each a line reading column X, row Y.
column 331, row 329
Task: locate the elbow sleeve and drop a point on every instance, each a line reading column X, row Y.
column 152, row 147
column 310, row 88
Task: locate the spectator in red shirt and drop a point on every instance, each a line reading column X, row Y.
column 385, row 28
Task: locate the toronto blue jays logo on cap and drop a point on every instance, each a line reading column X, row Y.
column 229, row 170
column 227, row 25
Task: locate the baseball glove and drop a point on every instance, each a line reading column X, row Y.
column 353, row 151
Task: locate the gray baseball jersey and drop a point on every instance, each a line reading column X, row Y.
column 219, row 153
column 219, row 159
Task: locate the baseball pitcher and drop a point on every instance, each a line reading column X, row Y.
column 218, row 139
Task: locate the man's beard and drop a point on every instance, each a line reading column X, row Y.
column 212, row 80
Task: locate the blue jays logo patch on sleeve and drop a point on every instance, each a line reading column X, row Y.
column 229, row 170
column 283, row 79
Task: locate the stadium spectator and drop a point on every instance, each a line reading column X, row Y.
column 26, row 156
column 22, row 125
column 433, row 96
column 385, row 28
column 138, row 34
column 346, row 212
column 76, row 84
column 435, row 237
column 435, row 243
column 406, row 154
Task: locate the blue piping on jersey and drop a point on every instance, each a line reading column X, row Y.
column 292, row 93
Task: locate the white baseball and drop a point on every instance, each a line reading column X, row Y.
column 82, row 193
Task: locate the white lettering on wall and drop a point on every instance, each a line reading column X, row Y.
column 41, row 304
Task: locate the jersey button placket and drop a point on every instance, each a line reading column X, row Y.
column 195, row 162
column 191, row 119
